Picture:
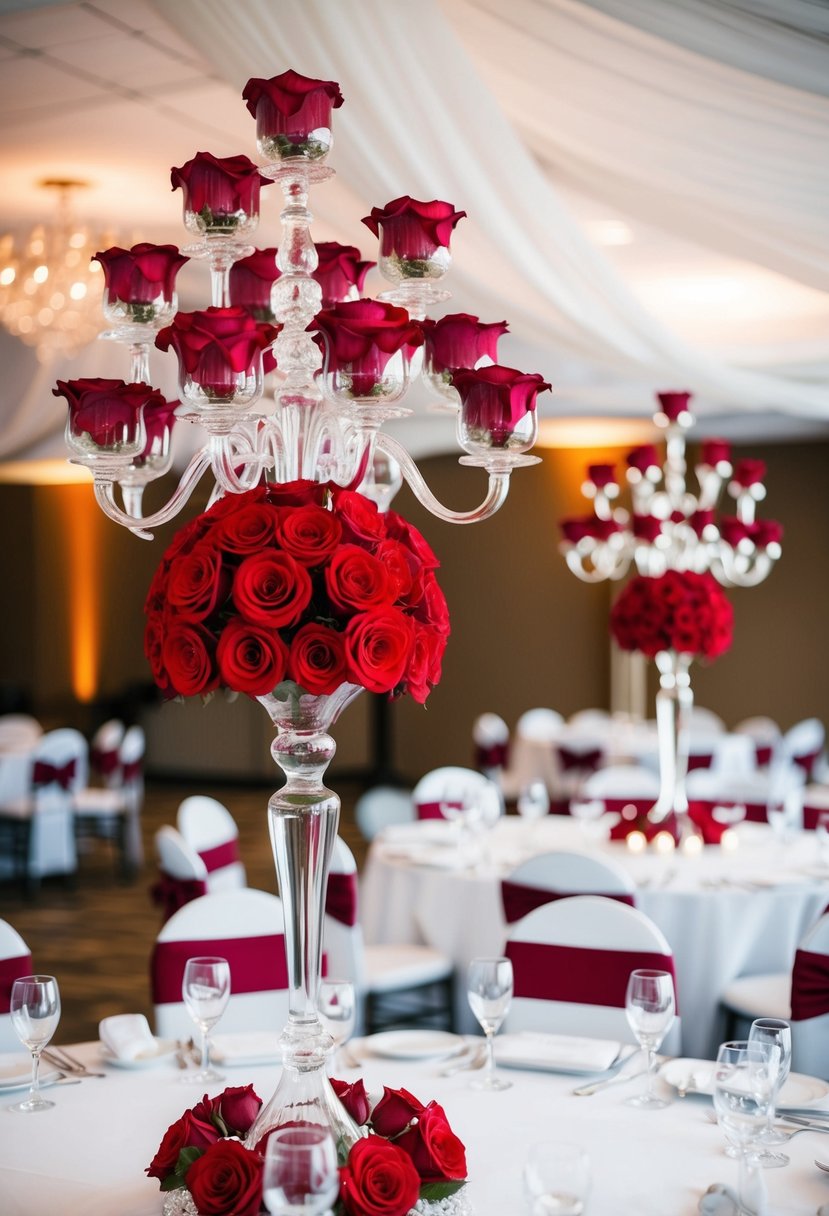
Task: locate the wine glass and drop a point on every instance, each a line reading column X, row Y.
column 337, row 1008
column 489, row 989
column 557, row 1179
column 650, row 1007
column 778, row 1033
column 533, row 801
column 35, row 1012
column 744, row 1079
column 300, row 1175
column 206, row 991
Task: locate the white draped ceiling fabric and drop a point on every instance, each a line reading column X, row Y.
column 685, row 115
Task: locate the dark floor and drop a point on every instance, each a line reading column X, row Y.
column 96, row 936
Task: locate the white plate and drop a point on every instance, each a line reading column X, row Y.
column 695, row 1076
column 413, row 1044
column 561, row 1053
column 16, row 1073
column 164, row 1048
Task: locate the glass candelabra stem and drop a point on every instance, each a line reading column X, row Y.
column 140, row 363
column 496, row 495
column 674, row 701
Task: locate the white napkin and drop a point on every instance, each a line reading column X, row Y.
column 555, row 1051
column 128, row 1036
column 246, row 1047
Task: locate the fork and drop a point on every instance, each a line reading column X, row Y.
column 69, row 1063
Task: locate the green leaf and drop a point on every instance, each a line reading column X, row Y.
column 432, row 1191
column 186, row 1158
column 219, row 1124
column 172, row 1183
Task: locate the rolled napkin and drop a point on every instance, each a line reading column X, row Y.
column 532, row 1049
column 128, row 1036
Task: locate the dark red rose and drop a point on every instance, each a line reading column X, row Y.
column 317, row 658
column 354, row 1098
column 297, row 493
column 733, row 530
column 424, row 668
column 378, row 1179
column 340, row 271
column 404, row 570
column 198, row 583
column 238, row 1106
column 673, row 404
column 215, row 345
column 749, row 472
column 159, row 420
column 219, row 185
column 186, row 1132
column 495, row 399
column 226, row 1178
column 141, row 274
column 680, row 610
column 293, row 114
column 395, row 1111
column 766, row 532
column 310, row 534
column 437, row 1153
column 412, row 229
column 225, row 506
column 460, row 340
column 643, row 458
column 433, row 609
column 108, row 411
column 247, row 530
column 647, row 527
column 252, row 659
column 714, row 451
column 576, row 529
column 700, row 520
column 188, row 654
column 378, row 644
column 400, row 529
column 355, row 578
column 271, row 589
column 360, row 336
column 250, row 281
column 154, row 633
column 361, row 519
column 601, row 474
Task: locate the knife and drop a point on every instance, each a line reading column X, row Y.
column 616, row 1079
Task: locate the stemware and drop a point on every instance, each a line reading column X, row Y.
column 35, row 1012
column 206, row 991
column 822, row 838
column 533, row 801
column 778, row 1033
column 300, row 1175
column 650, row 1007
column 337, row 1008
column 744, row 1079
column 489, row 988
column 557, row 1179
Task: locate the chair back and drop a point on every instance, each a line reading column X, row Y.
column 342, row 942
column 19, row 732
column 210, row 829
column 705, row 721
column 247, row 928
column 59, row 768
column 810, row 1002
column 620, row 784
column 558, row 875
column 572, row 960
column 381, row 807
column 490, row 735
column 104, row 752
column 456, row 787
column 15, row 961
column 594, row 721
column 182, row 875
column 765, row 735
column 541, row 725
column 802, row 745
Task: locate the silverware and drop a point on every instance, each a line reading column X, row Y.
column 619, row 1078
column 469, row 1063
column 802, row 1112
column 62, row 1058
column 803, row 1125
column 822, row 1165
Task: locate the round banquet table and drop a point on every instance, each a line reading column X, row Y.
column 724, row 913
column 86, row 1157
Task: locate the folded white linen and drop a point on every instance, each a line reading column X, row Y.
column 564, row 1052
column 127, row 1036
column 246, row 1047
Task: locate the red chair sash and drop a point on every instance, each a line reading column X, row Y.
column 494, row 755
column 104, row 762
column 810, row 985
column 519, row 898
column 173, row 893
column 221, row 855
column 131, row 771
column 700, row 760
column 585, row 761
column 579, row 975
column 12, row 969
column 257, row 964
column 811, row 815
column 432, row 810
column 54, row 774
column 807, row 761
column 763, row 753
column 341, row 898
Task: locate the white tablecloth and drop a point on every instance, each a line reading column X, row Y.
column 724, row 914
column 86, row 1157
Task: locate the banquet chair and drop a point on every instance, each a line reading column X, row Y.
column 382, row 807
column 210, row 829
column 453, row 786
column 620, row 786
column 104, row 749
column 397, row 985
column 755, row 791
column 15, row 961
column 704, row 720
column 595, row 721
column 765, row 734
column 558, row 875
column 36, row 826
column 112, row 811
column 182, row 875
column 490, row 735
column 244, row 926
column 531, row 753
column 573, row 763
column 19, row 732
column 572, row 960
column 802, row 746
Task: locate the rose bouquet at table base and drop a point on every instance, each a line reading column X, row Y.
column 674, row 618
column 300, row 595
column 407, row 1158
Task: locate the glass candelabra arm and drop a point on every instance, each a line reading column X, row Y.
column 734, row 569
column 496, row 492
column 105, row 497
column 236, row 462
column 597, row 562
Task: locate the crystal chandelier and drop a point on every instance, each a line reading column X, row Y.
column 50, row 291
column 343, row 364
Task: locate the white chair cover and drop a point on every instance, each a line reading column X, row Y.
column 802, row 745
column 104, row 752
column 765, row 735
column 15, row 961
column 593, row 721
column 531, row 757
column 48, row 803
column 704, row 721
column 454, row 784
column 381, row 807
column 19, row 732
column 210, row 829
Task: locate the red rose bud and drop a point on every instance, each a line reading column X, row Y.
column 340, row 272
column 354, row 1098
column 250, row 281
column 715, row 451
column 733, row 530
column 107, row 411
column 647, row 527
column 142, row 274
column 436, row 1152
column 574, row 530
column 359, row 337
column 413, row 230
column 673, row 404
column 643, row 458
column 602, row 529
column 159, row 420
column 460, row 340
column 395, row 1111
column 601, row 474
column 293, row 114
column 216, row 345
column 748, row 472
column 378, row 1179
column 227, row 1178
column 239, row 1105
column 700, row 520
column 766, row 532
column 219, row 189
column 494, row 401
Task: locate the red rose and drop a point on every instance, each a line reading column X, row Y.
column 354, row 578
column 437, row 1153
column 643, row 458
column 354, row 1098
column 141, row 274
column 413, row 229
column 378, row 644
column 495, row 399
column 184, row 1133
column 424, row 668
column 360, row 336
column 250, row 281
column 226, row 1178
column 395, row 1111
column 204, row 1131
column 251, row 658
column 234, row 502
column 317, row 658
column 159, row 420
column 733, row 530
column 216, row 345
column 154, row 650
column 748, row 472
column 404, row 570
column 647, row 527
column 246, row 530
column 433, row 609
column 460, row 340
column 189, row 659
column 714, row 451
column 197, row 583
column 673, row 404
column 293, row 114
column 680, row 610
column 360, row 518
column 297, row 493
column 310, row 534
column 601, row 474
column 108, row 411
column 271, row 589
column 400, row 529
column 700, row 520
column 378, row 1179
column 340, row 272
column 220, row 185
column 766, row 532
column 238, row 1106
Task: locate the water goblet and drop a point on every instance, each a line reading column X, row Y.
column 489, row 989
column 337, row 1008
column 533, row 801
column 300, row 1175
column 650, row 1007
column 557, row 1179
column 206, row 991
column 778, row 1033
column 744, row 1077
column 35, row 1012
